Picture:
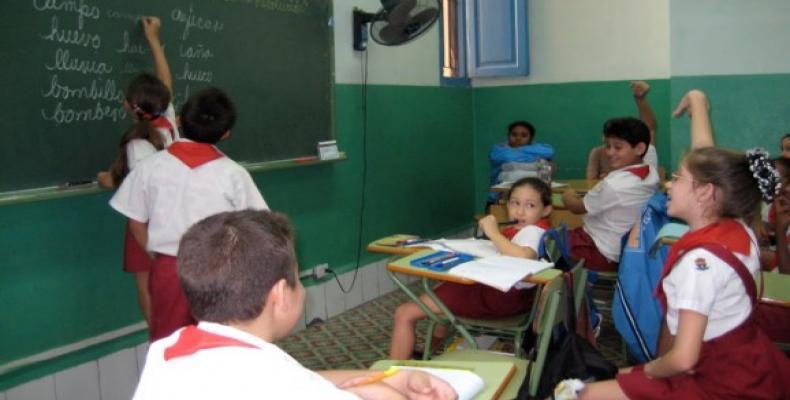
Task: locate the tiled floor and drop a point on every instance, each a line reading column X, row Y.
column 358, row 337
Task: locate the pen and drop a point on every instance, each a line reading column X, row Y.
column 419, row 364
column 448, row 261
column 378, row 377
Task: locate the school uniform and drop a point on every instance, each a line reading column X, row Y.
column 736, row 360
column 170, row 191
column 135, row 258
column 613, row 205
column 214, row 361
column 501, row 154
column 482, row 301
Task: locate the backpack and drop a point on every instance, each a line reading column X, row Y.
column 635, row 310
column 569, row 355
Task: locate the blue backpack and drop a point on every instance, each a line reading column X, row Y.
column 636, row 312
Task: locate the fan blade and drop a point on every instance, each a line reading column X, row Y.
column 400, row 13
column 393, row 34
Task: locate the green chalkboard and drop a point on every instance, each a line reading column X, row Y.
column 66, row 64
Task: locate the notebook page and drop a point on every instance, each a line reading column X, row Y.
column 500, row 272
column 467, row 384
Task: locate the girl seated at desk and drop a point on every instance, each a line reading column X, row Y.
column 528, row 206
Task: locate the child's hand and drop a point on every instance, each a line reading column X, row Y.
column 488, row 225
column 151, row 27
column 105, row 180
column 420, row 386
column 692, row 97
column 639, row 89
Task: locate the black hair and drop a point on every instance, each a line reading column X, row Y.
column 525, row 124
column 207, row 116
column 229, row 262
column 536, row 184
column 630, row 129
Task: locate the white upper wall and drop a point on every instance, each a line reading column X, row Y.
column 586, row 40
column 730, row 37
column 414, row 63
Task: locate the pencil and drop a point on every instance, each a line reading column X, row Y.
column 378, row 377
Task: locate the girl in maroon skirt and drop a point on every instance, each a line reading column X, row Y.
column 528, row 206
column 711, row 348
column 147, row 100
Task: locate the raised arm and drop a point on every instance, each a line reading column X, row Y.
column 695, row 103
column 639, row 90
column 151, row 27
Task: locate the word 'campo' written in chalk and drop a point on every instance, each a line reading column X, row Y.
column 190, row 20
column 98, row 89
column 288, row 6
column 71, row 36
column 64, row 62
column 100, row 111
column 73, row 6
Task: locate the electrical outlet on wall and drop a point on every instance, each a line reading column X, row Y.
column 320, row 270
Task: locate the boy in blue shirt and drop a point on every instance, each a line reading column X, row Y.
column 514, row 155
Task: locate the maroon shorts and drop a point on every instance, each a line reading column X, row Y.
column 169, row 307
column 484, row 302
column 583, row 246
column 135, row 258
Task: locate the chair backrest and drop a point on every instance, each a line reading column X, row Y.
column 579, row 284
column 547, row 319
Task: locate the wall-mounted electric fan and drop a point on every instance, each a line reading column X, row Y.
column 397, row 22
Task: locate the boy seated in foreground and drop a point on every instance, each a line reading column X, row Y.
column 239, row 273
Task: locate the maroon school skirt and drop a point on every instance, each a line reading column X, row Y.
column 484, row 302
column 169, row 307
column 774, row 320
column 135, row 258
column 741, row 364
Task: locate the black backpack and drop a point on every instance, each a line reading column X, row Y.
column 569, row 355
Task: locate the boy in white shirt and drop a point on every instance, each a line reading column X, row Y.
column 614, row 204
column 240, row 276
column 171, row 190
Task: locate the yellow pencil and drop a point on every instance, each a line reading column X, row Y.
column 378, row 377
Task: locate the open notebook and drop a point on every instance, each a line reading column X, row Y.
column 501, row 272
column 471, row 380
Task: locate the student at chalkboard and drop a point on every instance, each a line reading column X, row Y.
column 175, row 188
column 148, row 101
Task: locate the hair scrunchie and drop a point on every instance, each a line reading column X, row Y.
column 763, row 171
column 144, row 115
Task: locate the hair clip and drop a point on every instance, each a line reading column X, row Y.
column 763, row 171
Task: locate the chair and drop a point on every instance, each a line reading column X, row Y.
column 516, row 327
column 546, row 320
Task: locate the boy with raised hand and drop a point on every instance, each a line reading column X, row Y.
column 613, row 205
column 598, row 163
column 239, row 273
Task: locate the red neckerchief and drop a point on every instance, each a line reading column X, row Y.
column 641, row 171
column 194, row 154
column 163, row 123
column 726, row 232
column 193, row 339
column 511, row 231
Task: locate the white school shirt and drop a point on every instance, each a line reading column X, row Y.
column 264, row 372
column 171, row 197
column 651, row 156
column 712, row 289
column 138, row 149
column 614, row 204
column 528, row 236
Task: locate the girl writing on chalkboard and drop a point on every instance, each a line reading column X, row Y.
column 148, row 102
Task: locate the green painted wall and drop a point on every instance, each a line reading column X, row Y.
column 60, row 276
column 569, row 116
column 746, row 111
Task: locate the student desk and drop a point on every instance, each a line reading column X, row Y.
column 776, row 287
column 403, row 265
column 579, row 185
